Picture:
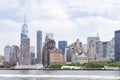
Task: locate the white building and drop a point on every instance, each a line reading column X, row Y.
column 81, row 58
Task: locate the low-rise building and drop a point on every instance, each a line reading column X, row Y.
column 81, row 58
column 55, row 56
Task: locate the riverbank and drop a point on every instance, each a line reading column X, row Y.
column 62, row 69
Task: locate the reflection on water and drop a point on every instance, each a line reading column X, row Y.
column 58, row 75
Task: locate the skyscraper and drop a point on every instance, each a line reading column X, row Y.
column 39, row 47
column 105, row 51
column 15, row 52
column 84, row 48
column 25, row 46
column 117, row 45
column 67, row 55
column 32, row 52
column 50, row 45
column 91, row 46
column 7, row 53
column 62, row 45
column 78, row 44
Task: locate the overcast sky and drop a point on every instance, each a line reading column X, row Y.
column 66, row 19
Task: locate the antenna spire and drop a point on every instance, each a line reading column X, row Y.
column 24, row 19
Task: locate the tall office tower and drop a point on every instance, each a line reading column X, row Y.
column 25, row 46
column 105, row 51
column 7, row 53
column 78, row 44
column 117, row 45
column 67, row 55
column 62, row 45
column 32, row 52
column 50, row 35
column 84, row 48
column 39, row 47
column 50, row 45
column 91, row 46
column 15, row 52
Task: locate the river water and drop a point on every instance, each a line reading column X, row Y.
column 59, row 75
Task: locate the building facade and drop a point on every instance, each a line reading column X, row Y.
column 84, row 48
column 62, row 45
column 78, row 44
column 117, row 45
column 79, row 57
column 32, row 52
column 7, row 53
column 25, row 46
column 15, row 52
column 67, row 55
column 39, row 47
column 105, row 51
column 91, row 46
column 50, row 45
column 55, row 56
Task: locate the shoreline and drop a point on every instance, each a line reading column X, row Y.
column 64, row 69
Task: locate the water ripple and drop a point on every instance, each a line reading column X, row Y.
column 60, row 76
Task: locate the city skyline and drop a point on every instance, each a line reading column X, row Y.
column 67, row 20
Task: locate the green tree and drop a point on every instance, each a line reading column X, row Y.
column 57, row 65
column 13, row 65
column 1, row 66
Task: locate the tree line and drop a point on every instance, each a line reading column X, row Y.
column 87, row 65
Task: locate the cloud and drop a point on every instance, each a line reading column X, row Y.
column 44, row 9
column 90, row 26
column 8, row 4
column 9, row 33
column 67, row 19
column 105, row 8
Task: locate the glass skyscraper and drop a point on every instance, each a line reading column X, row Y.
column 39, row 47
column 7, row 51
column 105, row 51
column 25, row 46
column 62, row 45
column 117, row 45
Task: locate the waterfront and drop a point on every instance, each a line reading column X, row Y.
column 59, row 75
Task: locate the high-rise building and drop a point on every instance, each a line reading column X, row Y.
column 15, row 52
column 50, row 45
column 78, row 44
column 84, row 48
column 91, row 46
column 67, row 55
column 105, row 51
column 39, row 47
column 117, row 45
column 25, row 46
column 62, row 45
column 69, row 51
column 32, row 51
column 50, row 35
column 7, row 53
